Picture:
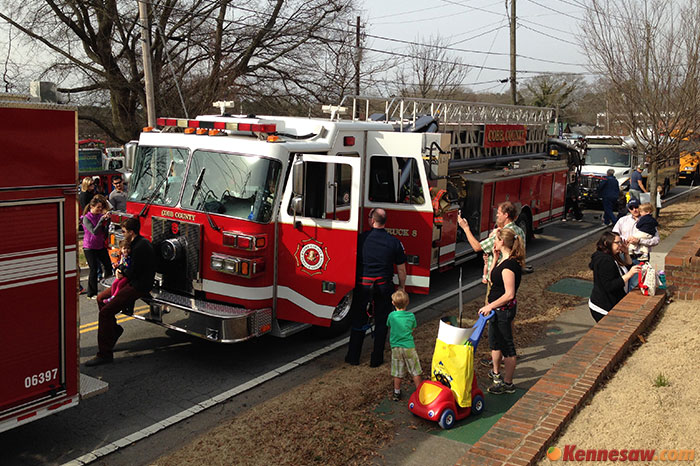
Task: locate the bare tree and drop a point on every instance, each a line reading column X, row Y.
column 431, row 71
column 556, row 91
column 202, row 50
column 649, row 54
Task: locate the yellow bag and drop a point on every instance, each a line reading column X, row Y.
column 453, row 366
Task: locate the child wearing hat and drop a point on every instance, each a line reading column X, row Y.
column 645, row 228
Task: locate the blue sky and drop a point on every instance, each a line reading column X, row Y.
column 546, row 36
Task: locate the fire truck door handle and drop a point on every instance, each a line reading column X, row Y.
column 334, row 186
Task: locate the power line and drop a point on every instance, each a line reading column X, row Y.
column 480, row 52
column 548, row 27
column 475, row 7
column 478, row 35
column 490, row 48
column 556, row 11
column 549, row 35
column 393, row 53
column 447, row 62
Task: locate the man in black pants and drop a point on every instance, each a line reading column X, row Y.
column 377, row 252
column 140, row 275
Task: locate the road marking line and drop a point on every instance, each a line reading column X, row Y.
column 140, row 308
column 94, row 325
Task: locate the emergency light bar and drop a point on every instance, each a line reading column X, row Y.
column 227, row 125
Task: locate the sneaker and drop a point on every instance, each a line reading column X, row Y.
column 496, row 377
column 396, row 396
column 563, row 220
column 93, row 297
column 486, row 362
column 501, row 387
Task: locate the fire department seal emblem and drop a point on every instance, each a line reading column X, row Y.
column 312, row 257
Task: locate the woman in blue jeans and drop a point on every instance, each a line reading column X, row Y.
column 505, row 279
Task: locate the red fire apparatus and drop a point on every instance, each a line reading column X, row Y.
column 255, row 219
column 38, row 262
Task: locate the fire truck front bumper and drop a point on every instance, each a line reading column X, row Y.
column 211, row 321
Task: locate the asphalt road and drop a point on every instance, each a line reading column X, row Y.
column 159, row 374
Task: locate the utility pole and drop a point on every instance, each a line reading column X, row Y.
column 513, row 83
column 147, row 72
column 358, row 57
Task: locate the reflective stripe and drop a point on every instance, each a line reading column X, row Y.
column 548, row 213
column 318, row 310
column 447, row 249
column 414, row 280
column 241, row 292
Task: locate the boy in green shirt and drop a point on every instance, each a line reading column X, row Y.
column 404, row 357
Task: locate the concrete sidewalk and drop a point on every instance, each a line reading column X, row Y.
column 419, row 442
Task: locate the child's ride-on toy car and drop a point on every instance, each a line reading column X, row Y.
column 436, row 402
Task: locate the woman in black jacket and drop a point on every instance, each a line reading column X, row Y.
column 611, row 272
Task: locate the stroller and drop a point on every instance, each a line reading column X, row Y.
column 453, row 394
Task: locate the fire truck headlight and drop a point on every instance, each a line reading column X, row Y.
column 231, row 265
column 217, row 263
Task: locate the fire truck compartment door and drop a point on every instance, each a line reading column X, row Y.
column 317, row 246
column 398, row 184
column 32, row 316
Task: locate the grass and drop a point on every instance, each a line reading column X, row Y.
column 661, row 381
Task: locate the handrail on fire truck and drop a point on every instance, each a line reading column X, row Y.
column 466, row 122
column 406, row 110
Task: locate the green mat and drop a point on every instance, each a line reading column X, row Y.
column 573, row 286
column 469, row 430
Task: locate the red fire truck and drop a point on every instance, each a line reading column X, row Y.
column 255, row 219
column 38, row 262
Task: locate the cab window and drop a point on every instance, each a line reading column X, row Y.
column 327, row 191
column 395, row 180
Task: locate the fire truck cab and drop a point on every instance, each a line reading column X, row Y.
column 255, row 220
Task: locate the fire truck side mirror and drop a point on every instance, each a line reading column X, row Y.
column 130, row 154
column 298, row 177
column 297, row 205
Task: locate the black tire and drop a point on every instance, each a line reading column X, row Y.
column 478, row 404
column 447, row 419
column 340, row 322
column 524, row 221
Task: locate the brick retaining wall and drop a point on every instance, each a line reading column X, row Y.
column 525, row 432
column 682, row 266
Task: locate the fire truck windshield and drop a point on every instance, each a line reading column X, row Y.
column 157, row 175
column 607, row 156
column 230, row 184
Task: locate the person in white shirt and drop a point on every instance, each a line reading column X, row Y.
column 625, row 228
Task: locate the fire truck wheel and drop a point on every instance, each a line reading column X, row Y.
column 524, row 221
column 340, row 321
